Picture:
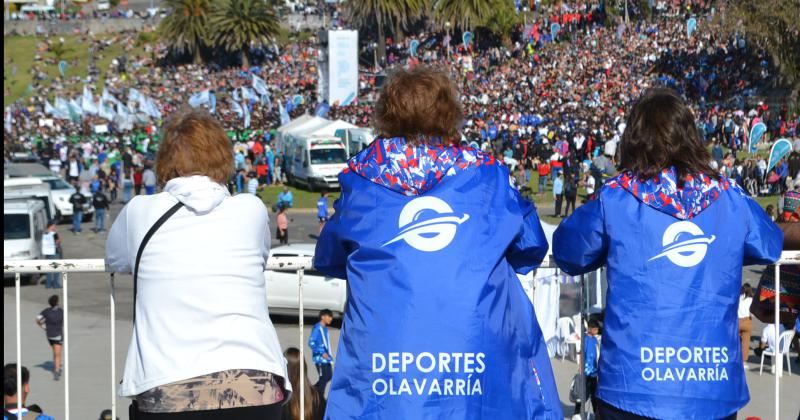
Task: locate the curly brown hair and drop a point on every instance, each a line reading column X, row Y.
column 418, row 104
column 193, row 143
column 661, row 132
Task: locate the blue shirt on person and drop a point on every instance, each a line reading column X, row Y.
column 322, row 207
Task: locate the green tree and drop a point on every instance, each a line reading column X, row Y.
column 185, row 29
column 238, row 24
column 384, row 13
column 502, row 21
column 465, row 14
column 771, row 25
column 59, row 51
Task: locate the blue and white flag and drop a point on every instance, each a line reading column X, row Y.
column 290, row 105
column 691, row 25
column 237, row 109
column 260, row 86
column 246, row 109
column 412, row 48
column 756, row 133
column 61, row 114
column 62, row 67
column 134, row 95
column 199, row 98
column 149, row 107
column 554, row 30
column 285, row 118
column 235, row 95
column 248, row 95
column 780, row 149
column 75, row 110
column 466, row 39
column 62, row 107
column 87, row 102
column 212, row 102
column 106, row 111
column 108, row 97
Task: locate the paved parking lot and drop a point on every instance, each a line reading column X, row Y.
column 90, row 358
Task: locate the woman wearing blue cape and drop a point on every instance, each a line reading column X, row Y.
column 674, row 235
column 430, row 237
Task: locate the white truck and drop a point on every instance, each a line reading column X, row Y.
column 315, row 161
column 24, row 222
column 355, row 139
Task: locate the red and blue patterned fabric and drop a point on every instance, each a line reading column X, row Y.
column 662, row 192
column 400, row 166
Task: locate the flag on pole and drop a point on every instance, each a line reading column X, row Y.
column 87, row 102
column 285, row 118
column 780, row 149
column 75, row 110
column 756, row 133
column 212, row 102
column 235, row 95
column 199, row 98
column 260, row 86
column 246, row 116
column 108, row 97
column 236, row 108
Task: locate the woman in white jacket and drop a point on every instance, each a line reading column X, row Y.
column 203, row 346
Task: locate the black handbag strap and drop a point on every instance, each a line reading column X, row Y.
column 146, row 239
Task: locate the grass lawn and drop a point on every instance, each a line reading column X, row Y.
column 302, row 199
column 21, row 51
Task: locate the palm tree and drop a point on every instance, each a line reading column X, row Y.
column 466, row 14
column 237, row 24
column 185, row 29
column 384, row 13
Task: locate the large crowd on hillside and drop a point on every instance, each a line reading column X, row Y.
column 542, row 101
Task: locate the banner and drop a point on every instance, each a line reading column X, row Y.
column 756, row 133
column 780, row 149
column 691, row 25
column 342, row 67
column 412, row 49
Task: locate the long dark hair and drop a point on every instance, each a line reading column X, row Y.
column 312, row 397
column 660, row 133
column 747, row 290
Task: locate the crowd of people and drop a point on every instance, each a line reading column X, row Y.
column 554, row 99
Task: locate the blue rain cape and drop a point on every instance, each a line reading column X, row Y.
column 437, row 325
column 670, row 345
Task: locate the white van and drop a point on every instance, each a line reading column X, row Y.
column 24, row 222
column 355, row 139
column 30, row 188
column 315, row 161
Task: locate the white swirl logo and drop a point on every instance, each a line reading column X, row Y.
column 685, row 244
column 431, row 234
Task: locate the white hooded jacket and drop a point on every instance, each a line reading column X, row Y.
column 202, row 304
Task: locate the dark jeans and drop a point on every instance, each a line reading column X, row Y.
column 325, row 371
column 137, row 189
column 591, row 389
column 99, row 219
column 559, row 199
column 283, row 238
column 609, row 412
column 570, row 203
column 262, row 412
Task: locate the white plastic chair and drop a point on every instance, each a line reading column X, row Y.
column 784, row 341
column 566, row 336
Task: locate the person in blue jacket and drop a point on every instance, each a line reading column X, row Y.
column 320, row 343
column 430, row 237
column 674, row 236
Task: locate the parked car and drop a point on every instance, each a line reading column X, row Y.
column 25, row 170
column 61, row 191
column 319, row 291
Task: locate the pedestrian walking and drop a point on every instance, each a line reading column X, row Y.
column 100, row 204
column 51, row 320
column 558, row 193
column 77, row 200
column 320, row 344
column 51, row 244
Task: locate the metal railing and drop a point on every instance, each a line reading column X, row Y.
column 300, row 264
column 65, row 267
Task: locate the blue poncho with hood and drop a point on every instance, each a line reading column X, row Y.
column 437, row 325
column 674, row 254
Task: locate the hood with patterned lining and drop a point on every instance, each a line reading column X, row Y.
column 413, row 169
column 663, row 194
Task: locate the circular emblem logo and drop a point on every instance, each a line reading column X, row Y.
column 427, row 234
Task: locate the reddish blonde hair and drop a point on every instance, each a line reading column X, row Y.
column 193, row 143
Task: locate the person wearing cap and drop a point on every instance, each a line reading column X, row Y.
column 51, row 244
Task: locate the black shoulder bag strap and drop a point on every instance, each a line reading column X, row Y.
column 146, row 239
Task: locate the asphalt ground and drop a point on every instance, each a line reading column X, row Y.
column 89, row 339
